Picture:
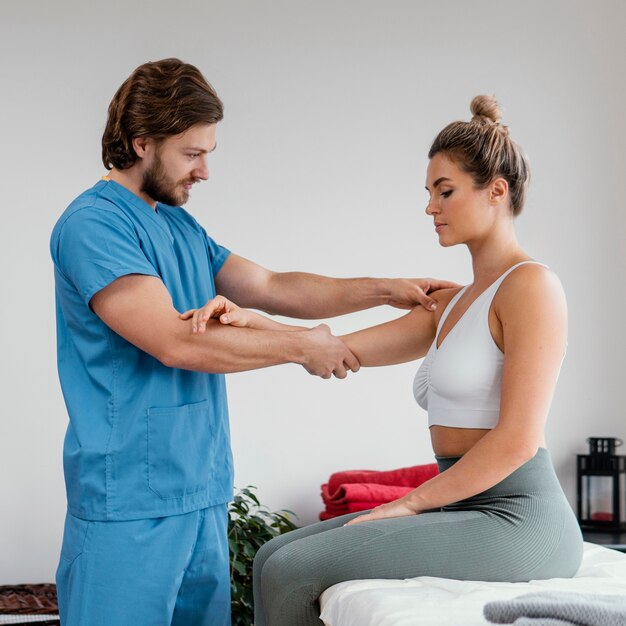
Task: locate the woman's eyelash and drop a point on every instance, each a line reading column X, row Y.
column 445, row 194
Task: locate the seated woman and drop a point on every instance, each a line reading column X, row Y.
column 493, row 350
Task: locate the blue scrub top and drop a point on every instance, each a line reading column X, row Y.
column 144, row 440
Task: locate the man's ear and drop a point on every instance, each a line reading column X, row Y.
column 142, row 146
column 498, row 190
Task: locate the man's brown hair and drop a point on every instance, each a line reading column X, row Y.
column 159, row 99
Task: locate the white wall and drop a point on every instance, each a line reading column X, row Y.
column 330, row 110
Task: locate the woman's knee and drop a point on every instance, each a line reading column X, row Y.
column 287, row 567
column 276, row 566
column 266, row 550
column 290, row 590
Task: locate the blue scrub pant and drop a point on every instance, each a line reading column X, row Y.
column 149, row 572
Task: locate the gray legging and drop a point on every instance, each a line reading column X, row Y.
column 521, row 529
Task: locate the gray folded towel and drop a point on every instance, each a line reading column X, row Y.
column 558, row 608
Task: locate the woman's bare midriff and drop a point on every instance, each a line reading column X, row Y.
column 449, row 441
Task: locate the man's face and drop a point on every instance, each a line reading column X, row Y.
column 177, row 163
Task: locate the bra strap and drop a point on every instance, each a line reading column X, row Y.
column 500, row 280
column 491, row 290
column 449, row 308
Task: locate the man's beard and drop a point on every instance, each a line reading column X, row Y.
column 160, row 187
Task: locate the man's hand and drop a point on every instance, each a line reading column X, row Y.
column 326, row 355
column 407, row 293
column 322, row 353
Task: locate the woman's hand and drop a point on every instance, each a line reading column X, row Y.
column 228, row 313
column 398, row 508
column 219, row 308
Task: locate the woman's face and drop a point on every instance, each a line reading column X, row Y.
column 461, row 213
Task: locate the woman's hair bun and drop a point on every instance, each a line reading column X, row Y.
column 486, row 109
column 484, row 149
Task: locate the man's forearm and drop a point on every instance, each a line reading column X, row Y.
column 224, row 349
column 309, row 296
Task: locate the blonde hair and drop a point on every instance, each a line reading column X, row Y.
column 484, row 149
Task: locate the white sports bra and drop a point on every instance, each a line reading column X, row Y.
column 459, row 383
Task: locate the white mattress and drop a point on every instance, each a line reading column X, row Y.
column 430, row 601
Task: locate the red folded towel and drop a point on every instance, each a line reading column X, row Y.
column 352, row 507
column 363, row 492
column 403, row 477
column 359, row 490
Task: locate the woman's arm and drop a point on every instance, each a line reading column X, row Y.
column 227, row 312
column 402, row 340
column 532, row 310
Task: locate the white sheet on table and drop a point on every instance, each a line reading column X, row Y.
column 430, row 601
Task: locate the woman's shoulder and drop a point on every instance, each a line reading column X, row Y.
column 443, row 298
column 530, row 286
column 530, row 277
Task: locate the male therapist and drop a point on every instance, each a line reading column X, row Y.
column 147, row 456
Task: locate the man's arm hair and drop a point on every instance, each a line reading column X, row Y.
column 139, row 308
column 296, row 294
column 311, row 296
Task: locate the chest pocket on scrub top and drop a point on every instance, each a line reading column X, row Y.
column 181, row 449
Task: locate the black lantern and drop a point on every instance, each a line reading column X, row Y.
column 602, row 486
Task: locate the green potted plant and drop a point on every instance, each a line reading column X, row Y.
column 250, row 525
